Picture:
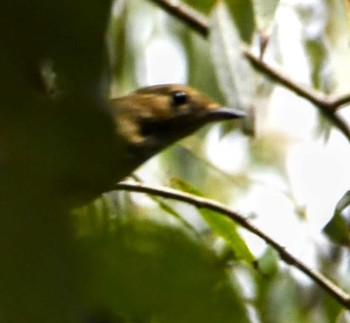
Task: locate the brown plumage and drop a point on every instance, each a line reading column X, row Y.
column 136, row 127
column 152, row 118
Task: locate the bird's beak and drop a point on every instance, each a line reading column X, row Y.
column 224, row 113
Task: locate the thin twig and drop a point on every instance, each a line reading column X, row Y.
column 186, row 14
column 200, row 202
column 326, row 105
column 341, row 101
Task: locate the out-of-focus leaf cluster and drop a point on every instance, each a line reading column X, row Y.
column 129, row 258
column 217, row 66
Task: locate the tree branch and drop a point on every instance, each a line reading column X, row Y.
column 194, row 19
column 325, row 104
column 341, row 101
column 201, row 202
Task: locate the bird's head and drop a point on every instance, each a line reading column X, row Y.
column 152, row 118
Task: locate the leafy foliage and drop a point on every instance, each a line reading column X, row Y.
column 132, row 258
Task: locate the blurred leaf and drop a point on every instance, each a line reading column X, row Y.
column 338, row 22
column 319, row 61
column 268, row 262
column 221, row 225
column 166, row 207
column 281, row 299
column 159, row 274
column 333, row 311
column 337, row 229
column 314, row 20
column 265, row 12
column 242, row 12
column 201, row 5
column 184, row 186
column 53, row 84
column 268, row 151
column 228, row 230
column 235, row 75
column 40, row 274
column 344, row 202
column 201, row 68
column 347, row 9
column 122, row 52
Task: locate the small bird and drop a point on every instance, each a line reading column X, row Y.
column 77, row 164
column 152, row 118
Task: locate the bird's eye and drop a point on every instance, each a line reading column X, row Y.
column 179, row 97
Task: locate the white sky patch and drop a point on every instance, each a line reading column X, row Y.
column 289, row 114
column 164, row 62
column 319, row 176
column 273, row 213
column 295, row 63
column 229, row 153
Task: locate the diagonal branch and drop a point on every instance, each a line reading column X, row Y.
column 325, row 104
column 341, row 101
column 186, row 14
column 201, row 202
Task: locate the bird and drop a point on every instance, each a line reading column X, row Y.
column 82, row 153
column 152, row 118
column 67, row 154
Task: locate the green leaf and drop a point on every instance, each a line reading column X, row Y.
column 265, row 12
column 184, row 186
column 337, row 229
column 344, row 202
column 221, row 225
column 166, row 207
column 201, row 5
column 123, row 54
column 227, row 229
column 318, row 55
column 235, row 75
column 268, row 262
column 242, row 12
column 154, row 273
